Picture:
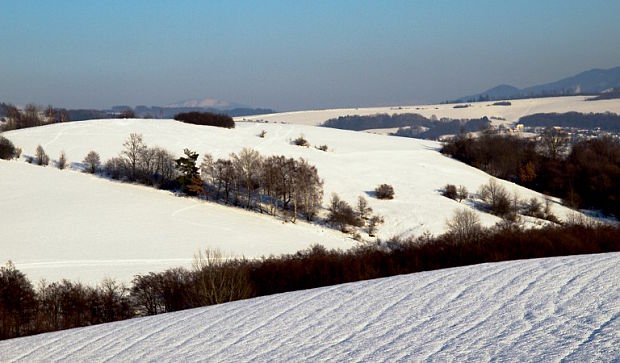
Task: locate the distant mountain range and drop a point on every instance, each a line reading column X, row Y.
column 206, row 103
column 594, row 81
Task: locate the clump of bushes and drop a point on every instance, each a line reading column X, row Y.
column 7, row 149
column 262, row 134
column 452, row 192
column 502, row 103
column 384, row 191
column 322, row 147
column 341, row 214
column 449, row 191
column 206, row 119
column 496, row 198
column 301, row 141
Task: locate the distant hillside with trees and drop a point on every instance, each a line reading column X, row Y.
column 606, row 121
column 409, row 124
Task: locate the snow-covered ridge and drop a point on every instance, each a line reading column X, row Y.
column 555, row 309
column 510, row 114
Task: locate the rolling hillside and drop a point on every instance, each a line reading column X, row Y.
column 73, row 225
column 510, row 114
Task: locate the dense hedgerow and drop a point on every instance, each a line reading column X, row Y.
column 25, row 310
column 206, row 119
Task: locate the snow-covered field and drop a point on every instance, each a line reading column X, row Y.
column 544, row 310
column 73, row 225
column 511, row 113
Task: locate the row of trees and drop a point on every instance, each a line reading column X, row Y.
column 214, row 279
column 267, row 184
column 264, row 183
column 585, row 176
column 32, row 116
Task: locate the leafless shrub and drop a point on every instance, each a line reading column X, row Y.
column 496, row 198
column 7, row 149
column 384, row 191
column 373, row 222
column 464, row 225
column 62, row 161
column 363, row 209
column 462, row 193
column 341, row 215
column 301, row 141
column 450, row 191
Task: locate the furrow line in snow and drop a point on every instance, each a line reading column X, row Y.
column 310, row 322
column 474, row 320
column 309, row 296
column 178, row 319
column 435, row 307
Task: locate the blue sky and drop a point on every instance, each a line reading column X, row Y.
column 294, row 54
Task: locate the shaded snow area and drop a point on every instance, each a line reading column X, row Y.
column 543, row 310
column 510, row 114
column 67, row 224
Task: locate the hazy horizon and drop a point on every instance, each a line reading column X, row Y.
column 293, row 56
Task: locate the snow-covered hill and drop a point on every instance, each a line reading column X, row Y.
column 68, row 224
column 544, row 310
column 511, row 113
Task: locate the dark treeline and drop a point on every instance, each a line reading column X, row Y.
column 606, row 121
column 31, row 116
column 587, row 176
column 379, row 121
column 170, row 112
column 26, row 310
column 206, row 119
column 613, row 94
column 4, row 109
column 409, row 124
column 445, row 127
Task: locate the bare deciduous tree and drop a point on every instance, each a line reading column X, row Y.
column 92, row 162
column 41, row 157
column 464, row 225
column 134, row 147
column 363, row 209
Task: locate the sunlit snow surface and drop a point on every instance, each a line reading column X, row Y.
column 67, row 224
column 543, row 310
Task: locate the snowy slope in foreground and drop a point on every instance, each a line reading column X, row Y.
column 537, row 310
column 511, row 113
